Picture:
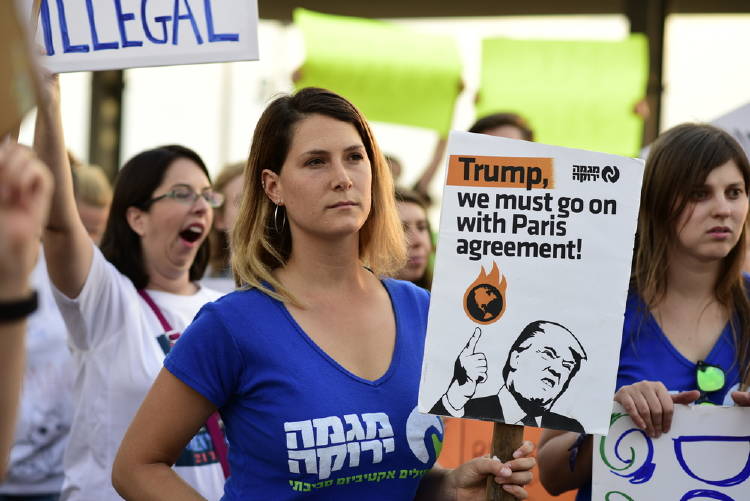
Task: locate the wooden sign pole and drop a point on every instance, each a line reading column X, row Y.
column 506, row 438
column 16, row 131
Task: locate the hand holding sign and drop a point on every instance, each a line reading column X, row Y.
column 741, row 398
column 469, row 370
column 650, row 405
column 469, row 480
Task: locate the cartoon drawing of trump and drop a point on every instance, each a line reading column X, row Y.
column 540, row 365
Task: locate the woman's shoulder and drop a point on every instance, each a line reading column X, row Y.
column 251, row 303
column 403, row 289
column 242, row 298
column 241, row 307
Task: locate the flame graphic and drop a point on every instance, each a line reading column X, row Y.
column 484, row 300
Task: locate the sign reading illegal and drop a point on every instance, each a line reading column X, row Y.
column 88, row 35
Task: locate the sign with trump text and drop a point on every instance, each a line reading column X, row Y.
column 531, row 277
column 91, row 35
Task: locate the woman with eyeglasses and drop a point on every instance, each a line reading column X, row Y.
column 125, row 305
column 687, row 320
column 315, row 364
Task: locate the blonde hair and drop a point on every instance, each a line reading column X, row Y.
column 219, row 260
column 257, row 246
column 92, row 186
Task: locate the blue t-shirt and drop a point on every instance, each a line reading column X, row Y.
column 647, row 354
column 299, row 424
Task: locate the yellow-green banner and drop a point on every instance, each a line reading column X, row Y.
column 392, row 74
column 579, row 94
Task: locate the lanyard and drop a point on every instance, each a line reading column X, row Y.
column 212, row 424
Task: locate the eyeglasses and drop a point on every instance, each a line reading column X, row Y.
column 186, row 195
column 710, row 378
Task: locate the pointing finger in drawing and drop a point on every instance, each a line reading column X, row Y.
column 471, row 346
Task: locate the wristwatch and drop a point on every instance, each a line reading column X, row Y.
column 11, row 311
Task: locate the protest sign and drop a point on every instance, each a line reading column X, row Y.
column 534, row 251
column 390, row 73
column 579, row 94
column 737, row 123
column 17, row 87
column 705, row 455
column 88, row 35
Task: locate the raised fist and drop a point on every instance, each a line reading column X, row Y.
column 25, row 189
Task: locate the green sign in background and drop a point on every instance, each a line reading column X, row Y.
column 390, row 73
column 578, row 94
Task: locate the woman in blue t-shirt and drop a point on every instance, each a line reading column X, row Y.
column 314, row 365
column 687, row 312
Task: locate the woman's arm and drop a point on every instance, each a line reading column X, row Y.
column 422, row 186
column 25, row 188
column 168, row 418
column 468, row 482
column 554, row 459
column 67, row 247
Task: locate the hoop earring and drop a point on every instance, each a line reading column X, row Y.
column 276, row 220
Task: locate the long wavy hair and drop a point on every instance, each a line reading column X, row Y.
column 257, row 246
column 681, row 159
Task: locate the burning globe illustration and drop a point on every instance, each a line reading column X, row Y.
column 484, row 300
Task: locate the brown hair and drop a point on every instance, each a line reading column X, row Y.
column 496, row 120
column 257, row 247
column 219, row 261
column 681, row 159
column 412, row 197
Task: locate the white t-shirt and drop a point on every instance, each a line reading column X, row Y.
column 113, row 335
column 46, row 408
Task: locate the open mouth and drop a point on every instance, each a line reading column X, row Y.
column 192, row 233
column 549, row 382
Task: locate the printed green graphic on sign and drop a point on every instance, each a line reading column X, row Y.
column 640, row 470
column 602, row 447
column 437, row 443
column 621, row 495
column 578, row 94
column 390, row 73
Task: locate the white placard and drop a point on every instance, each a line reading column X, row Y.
column 737, row 123
column 531, row 278
column 91, row 35
column 705, row 455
